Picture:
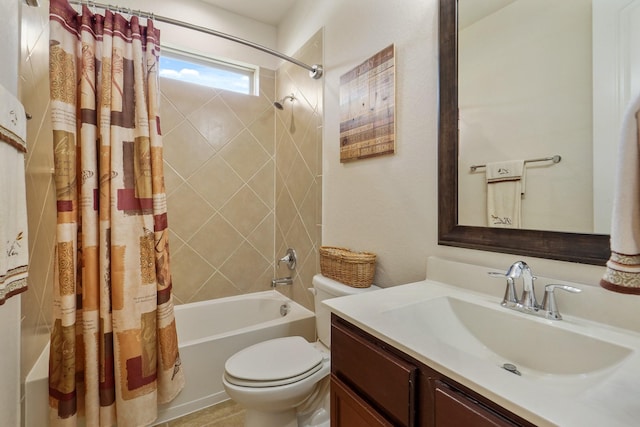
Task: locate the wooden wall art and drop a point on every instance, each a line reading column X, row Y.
column 367, row 108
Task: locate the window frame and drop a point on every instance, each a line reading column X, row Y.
column 251, row 71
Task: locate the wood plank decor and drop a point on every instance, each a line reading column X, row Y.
column 367, row 108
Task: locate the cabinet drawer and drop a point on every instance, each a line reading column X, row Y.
column 379, row 376
column 455, row 409
column 349, row 410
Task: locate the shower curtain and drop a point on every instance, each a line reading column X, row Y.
column 114, row 350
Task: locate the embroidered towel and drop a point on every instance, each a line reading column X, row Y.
column 505, row 186
column 623, row 268
column 13, row 206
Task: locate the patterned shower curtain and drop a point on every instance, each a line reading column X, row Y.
column 114, row 350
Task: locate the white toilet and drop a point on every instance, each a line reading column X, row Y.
column 284, row 382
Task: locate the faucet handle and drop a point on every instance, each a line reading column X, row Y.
column 509, row 299
column 290, row 259
column 549, row 301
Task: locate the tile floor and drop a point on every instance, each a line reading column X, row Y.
column 225, row 414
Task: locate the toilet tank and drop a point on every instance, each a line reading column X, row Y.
column 325, row 288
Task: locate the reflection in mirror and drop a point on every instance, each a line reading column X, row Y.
column 568, row 246
column 525, row 93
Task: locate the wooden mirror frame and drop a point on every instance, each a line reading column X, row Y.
column 573, row 247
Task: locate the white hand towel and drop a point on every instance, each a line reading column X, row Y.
column 504, row 193
column 14, row 255
column 623, row 268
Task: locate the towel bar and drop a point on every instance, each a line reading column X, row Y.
column 554, row 159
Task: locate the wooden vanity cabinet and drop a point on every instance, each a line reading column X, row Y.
column 374, row 384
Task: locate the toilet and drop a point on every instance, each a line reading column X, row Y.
column 284, row 382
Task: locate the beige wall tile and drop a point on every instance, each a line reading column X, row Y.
column 262, row 183
column 245, row 211
column 188, row 212
column 188, row 272
column 216, row 240
column 245, row 267
column 185, row 97
column 186, row 150
column 216, row 122
column 245, row 155
column 247, row 109
column 216, row 182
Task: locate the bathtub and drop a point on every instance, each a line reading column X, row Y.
column 209, row 332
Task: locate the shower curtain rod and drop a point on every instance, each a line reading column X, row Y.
column 315, row 71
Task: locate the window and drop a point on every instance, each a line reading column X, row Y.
column 206, row 71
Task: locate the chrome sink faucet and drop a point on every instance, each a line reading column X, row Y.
column 527, row 302
column 528, row 299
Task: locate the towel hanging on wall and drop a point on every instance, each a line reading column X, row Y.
column 14, row 254
column 505, row 186
column 623, row 268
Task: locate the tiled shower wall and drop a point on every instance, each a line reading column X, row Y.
column 299, row 169
column 224, row 154
column 41, row 198
column 219, row 171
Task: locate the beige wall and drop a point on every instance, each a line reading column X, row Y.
column 388, row 205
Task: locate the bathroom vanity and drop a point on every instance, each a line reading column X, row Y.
column 375, row 384
column 444, row 352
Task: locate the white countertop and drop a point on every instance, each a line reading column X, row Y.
column 610, row 397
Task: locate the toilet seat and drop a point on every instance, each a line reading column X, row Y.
column 274, row 363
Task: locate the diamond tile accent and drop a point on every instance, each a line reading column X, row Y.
column 245, row 155
column 263, row 184
column 245, row 267
column 186, row 150
column 299, row 180
column 188, row 272
column 245, row 211
column 185, row 97
column 299, row 169
column 216, row 182
column 216, row 240
column 187, row 212
column 216, row 122
column 246, row 111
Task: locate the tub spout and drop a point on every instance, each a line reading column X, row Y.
column 281, row 281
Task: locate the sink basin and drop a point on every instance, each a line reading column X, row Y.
column 536, row 346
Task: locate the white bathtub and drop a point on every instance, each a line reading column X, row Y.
column 209, row 332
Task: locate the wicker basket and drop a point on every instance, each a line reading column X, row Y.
column 355, row 269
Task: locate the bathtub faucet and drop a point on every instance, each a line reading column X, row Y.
column 289, row 259
column 281, row 281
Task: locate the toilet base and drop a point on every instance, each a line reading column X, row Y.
column 254, row 418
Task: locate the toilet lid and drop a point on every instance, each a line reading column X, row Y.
column 276, row 362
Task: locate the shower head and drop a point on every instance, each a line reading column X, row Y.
column 280, row 104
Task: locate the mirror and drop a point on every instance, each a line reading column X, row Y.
column 575, row 247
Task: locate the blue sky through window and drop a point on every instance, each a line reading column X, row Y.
column 219, row 77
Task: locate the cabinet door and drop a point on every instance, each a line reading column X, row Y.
column 455, row 409
column 349, row 410
column 381, row 377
